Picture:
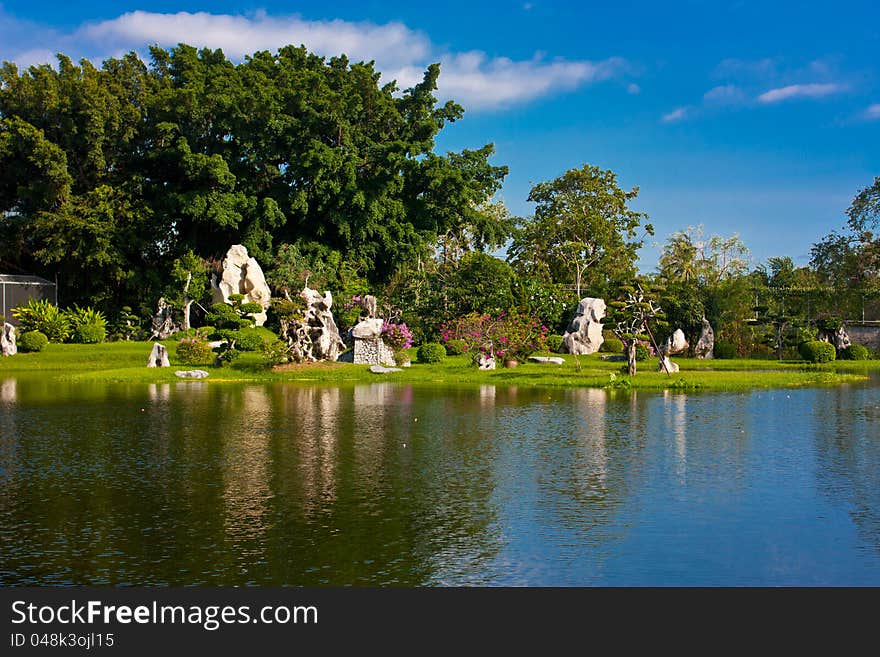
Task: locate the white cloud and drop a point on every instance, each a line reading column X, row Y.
column 727, row 94
column 633, row 88
column 873, row 112
column 800, row 91
column 474, row 79
column 677, row 114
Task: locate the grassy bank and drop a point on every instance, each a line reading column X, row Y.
column 126, row 362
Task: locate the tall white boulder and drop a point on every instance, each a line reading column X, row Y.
column 584, row 333
column 242, row 275
column 7, row 340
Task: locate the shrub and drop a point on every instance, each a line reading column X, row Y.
column 854, row 352
column 32, row 341
column 276, row 352
column 612, row 345
column 817, row 351
column 202, row 333
column 455, row 347
column 249, row 339
column 554, row 343
column 431, row 352
column 87, row 325
column 724, row 350
column 45, row 317
column 193, row 351
column 89, row 334
column 642, row 352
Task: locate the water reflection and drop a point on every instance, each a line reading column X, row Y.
column 199, row 483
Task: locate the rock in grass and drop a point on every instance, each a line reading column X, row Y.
column 706, row 343
column 191, row 374
column 486, row 362
column 547, row 359
column 584, row 334
column 159, row 356
column 666, row 365
column 379, row 369
column 7, row 340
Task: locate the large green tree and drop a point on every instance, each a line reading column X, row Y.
column 583, row 232
column 112, row 173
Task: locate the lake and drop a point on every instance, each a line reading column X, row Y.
column 198, row 483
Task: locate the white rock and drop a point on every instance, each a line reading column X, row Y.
column 191, row 374
column 486, row 362
column 379, row 369
column 706, row 344
column 675, row 343
column 547, row 359
column 7, row 340
column 242, row 275
column 669, row 365
column 315, row 337
column 584, row 334
column 158, row 356
column 368, row 329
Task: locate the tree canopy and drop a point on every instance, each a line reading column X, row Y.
column 113, row 173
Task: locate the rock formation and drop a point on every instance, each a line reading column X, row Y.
column 7, row 340
column 838, row 338
column 486, row 362
column 675, row 343
column 584, row 333
column 368, row 346
column 315, row 337
column 370, row 306
column 158, row 356
column 162, row 323
column 191, row 374
column 706, row 343
column 666, row 365
column 242, row 275
column 556, row 360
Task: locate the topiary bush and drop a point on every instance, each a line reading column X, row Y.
column 854, row 352
column 249, row 339
column 89, row 334
column 202, row 333
column 724, row 350
column 431, row 352
column 817, row 351
column 554, row 343
column 611, row 346
column 32, row 341
column 455, row 347
column 194, row 351
column 642, row 352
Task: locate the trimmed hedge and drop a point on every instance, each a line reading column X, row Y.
column 854, row 352
column 431, row 352
column 89, row 333
column 642, row 352
column 817, row 351
column 611, row 346
column 193, row 351
column 32, row 341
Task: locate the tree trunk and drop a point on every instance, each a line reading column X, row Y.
column 631, row 357
column 187, row 302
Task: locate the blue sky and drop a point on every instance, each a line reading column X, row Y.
column 750, row 117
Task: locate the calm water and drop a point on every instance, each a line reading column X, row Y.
column 196, row 483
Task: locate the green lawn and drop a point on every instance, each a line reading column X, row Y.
column 126, row 362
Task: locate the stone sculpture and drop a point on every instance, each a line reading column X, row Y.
column 666, row 365
column 191, row 374
column 7, row 340
column 675, row 343
column 486, row 362
column 706, row 343
column 315, row 337
column 159, row 356
column 369, row 349
column 242, row 274
column 370, row 306
column 162, row 323
column 584, row 334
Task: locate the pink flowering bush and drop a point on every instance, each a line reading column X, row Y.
column 512, row 335
column 396, row 337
